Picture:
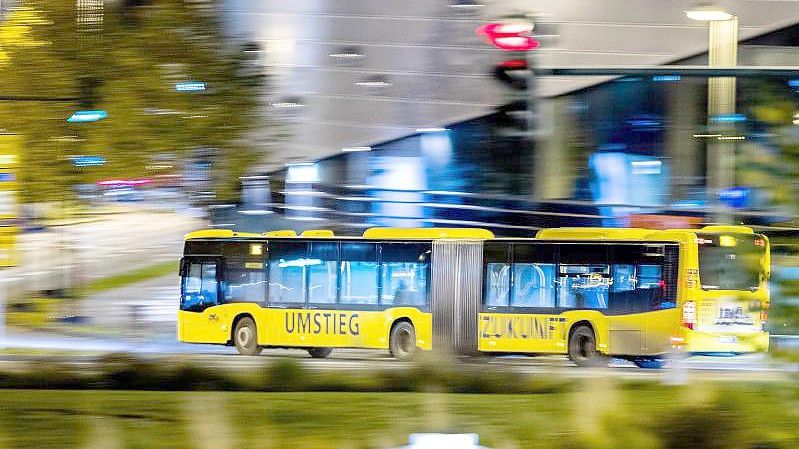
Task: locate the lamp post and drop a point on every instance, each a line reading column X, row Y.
column 722, row 52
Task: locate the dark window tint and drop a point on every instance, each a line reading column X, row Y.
column 405, row 270
column 640, row 276
column 287, row 261
column 323, row 260
column 244, row 273
column 197, row 247
column 359, row 273
column 533, row 253
column 583, row 276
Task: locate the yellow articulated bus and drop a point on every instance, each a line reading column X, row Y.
column 589, row 293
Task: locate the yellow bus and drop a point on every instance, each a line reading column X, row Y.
column 589, row 293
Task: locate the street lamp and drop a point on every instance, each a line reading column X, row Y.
column 722, row 52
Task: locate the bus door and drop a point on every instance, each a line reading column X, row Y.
column 200, row 296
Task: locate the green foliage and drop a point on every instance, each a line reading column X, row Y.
column 129, row 69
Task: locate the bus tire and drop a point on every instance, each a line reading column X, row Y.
column 582, row 347
column 402, row 341
column 320, row 353
column 245, row 337
column 649, row 362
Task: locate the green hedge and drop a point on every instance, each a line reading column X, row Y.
column 125, row 372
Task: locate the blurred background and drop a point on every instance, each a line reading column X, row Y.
column 125, row 124
column 128, row 123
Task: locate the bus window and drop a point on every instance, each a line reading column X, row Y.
column 244, row 273
column 583, row 276
column 322, row 276
column 359, row 273
column 533, row 275
column 199, row 287
column 405, row 268
column 287, row 261
column 638, row 283
column 497, row 274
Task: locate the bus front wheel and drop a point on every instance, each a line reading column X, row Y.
column 245, row 337
column 320, row 353
column 402, row 341
column 582, row 348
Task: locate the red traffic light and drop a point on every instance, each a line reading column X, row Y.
column 512, row 36
column 513, row 72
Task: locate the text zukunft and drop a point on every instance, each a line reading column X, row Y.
column 515, row 327
column 330, row 323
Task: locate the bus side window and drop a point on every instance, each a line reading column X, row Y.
column 583, row 276
column 405, row 269
column 200, row 287
column 244, row 273
column 322, row 272
column 287, row 261
column 359, row 273
column 533, row 275
column 638, row 282
column 496, row 289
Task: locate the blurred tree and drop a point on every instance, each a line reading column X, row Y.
column 125, row 57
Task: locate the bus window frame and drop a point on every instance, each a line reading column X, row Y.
column 268, row 260
column 202, row 259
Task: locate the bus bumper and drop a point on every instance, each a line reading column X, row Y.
column 725, row 343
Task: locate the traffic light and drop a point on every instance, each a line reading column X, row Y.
column 513, row 72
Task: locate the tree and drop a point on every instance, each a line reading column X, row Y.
column 125, row 59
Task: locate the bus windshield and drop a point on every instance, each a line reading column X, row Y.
column 731, row 262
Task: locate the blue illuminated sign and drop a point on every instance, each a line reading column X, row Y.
column 190, row 86
column 793, row 82
column 87, row 116
column 728, row 118
column 736, row 197
column 666, row 78
column 7, row 177
column 87, row 161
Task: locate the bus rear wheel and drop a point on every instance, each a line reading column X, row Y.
column 402, row 341
column 320, row 353
column 245, row 337
column 582, row 348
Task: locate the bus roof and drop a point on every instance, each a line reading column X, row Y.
column 572, row 233
column 587, row 233
column 372, row 233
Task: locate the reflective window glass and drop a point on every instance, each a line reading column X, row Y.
column 533, row 285
column 497, row 284
column 322, row 273
column 192, row 284
column 209, row 288
column 244, row 273
column 359, row 273
column 287, row 261
column 405, row 268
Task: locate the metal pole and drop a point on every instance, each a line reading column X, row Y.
column 722, row 52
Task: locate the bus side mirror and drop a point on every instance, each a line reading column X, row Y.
column 182, row 267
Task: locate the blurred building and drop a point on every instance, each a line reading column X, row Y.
column 391, row 115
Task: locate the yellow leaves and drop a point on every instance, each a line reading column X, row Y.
column 15, row 31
